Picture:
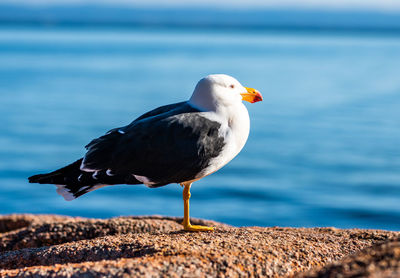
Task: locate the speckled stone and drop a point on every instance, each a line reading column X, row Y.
column 379, row 260
column 155, row 246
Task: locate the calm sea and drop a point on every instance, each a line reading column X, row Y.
column 324, row 146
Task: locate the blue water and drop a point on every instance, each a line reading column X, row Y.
column 324, row 146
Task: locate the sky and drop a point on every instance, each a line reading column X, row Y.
column 375, row 5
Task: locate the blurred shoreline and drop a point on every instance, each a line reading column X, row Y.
column 346, row 31
column 252, row 20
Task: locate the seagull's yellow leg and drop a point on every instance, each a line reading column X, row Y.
column 186, row 220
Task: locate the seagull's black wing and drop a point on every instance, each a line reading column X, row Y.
column 154, row 112
column 160, row 110
column 170, row 144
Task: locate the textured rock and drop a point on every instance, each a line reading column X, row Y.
column 380, row 260
column 155, row 246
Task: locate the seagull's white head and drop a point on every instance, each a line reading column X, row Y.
column 217, row 90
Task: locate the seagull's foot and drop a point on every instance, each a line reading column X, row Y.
column 197, row 228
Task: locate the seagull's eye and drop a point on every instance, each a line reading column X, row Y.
column 232, row 86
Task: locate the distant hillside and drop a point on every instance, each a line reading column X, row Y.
column 202, row 17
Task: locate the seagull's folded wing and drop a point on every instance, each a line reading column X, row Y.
column 169, row 147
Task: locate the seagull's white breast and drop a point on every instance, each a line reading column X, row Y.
column 235, row 128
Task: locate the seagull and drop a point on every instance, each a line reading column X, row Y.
column 176, row 143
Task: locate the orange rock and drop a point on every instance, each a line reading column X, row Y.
column 48, row 245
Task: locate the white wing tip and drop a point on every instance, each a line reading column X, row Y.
column 61, row 190
column 145, row 180
column 85, row 169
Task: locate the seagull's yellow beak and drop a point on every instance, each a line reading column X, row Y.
column 252, row 95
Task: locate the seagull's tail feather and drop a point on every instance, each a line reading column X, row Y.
column 72, row 182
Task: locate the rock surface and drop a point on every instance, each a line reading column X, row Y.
column 48, row 245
